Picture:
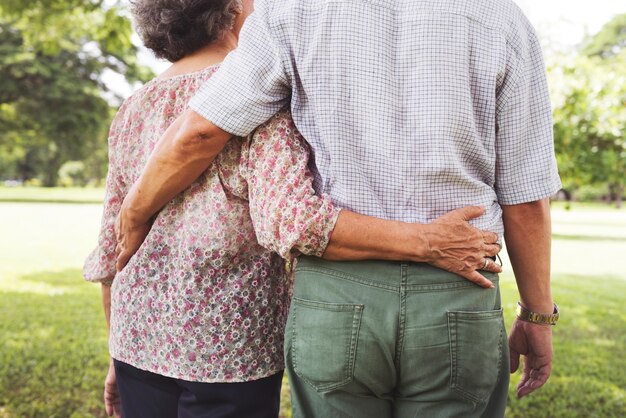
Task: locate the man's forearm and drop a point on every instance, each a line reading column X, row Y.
column 449, row 243
column 527, row 232
column 359, row 237
column 184, row 152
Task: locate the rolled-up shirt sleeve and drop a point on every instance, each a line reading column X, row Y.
column 251, row 84
column 289, row 218
column 526, row 167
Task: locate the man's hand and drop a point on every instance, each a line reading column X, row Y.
column 130, row 235
column 458, row 247
column 187, row 148
column 534, row 342
column 112, row 403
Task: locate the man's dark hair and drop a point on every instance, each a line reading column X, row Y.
column 173, row 29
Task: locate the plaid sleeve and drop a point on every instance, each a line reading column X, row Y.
column 251, row 84
column 526, row 167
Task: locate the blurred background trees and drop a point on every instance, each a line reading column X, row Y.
column 589, row 107
column 55, row 109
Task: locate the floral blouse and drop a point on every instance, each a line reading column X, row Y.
column 202, row 300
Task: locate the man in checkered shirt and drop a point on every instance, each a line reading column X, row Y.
column 412, row 108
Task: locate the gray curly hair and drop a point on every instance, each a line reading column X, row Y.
column 173, row 29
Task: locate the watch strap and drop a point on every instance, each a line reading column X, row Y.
column 524, row 314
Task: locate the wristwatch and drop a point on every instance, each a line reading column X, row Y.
column 524, row 314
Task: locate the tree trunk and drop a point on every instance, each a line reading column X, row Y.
column 51, row 173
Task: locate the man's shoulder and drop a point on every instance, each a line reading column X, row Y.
column 502, row 15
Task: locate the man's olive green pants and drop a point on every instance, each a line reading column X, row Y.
column 380, row 339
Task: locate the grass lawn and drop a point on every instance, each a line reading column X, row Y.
column 51, row 194
column 53, row 353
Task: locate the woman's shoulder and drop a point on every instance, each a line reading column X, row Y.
column 159, row 101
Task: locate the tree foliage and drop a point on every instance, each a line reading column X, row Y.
column 610, row 41
column 53, row 54
column 589, row 99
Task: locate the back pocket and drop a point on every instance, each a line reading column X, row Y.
column 324, row 339
column 476, row 340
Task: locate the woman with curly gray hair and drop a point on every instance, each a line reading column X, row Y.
column 196, row 319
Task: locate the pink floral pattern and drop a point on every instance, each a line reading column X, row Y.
column 202, row 300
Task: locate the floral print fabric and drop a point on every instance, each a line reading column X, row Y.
column 202, row 300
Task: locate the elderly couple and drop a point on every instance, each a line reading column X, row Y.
column 417, row 119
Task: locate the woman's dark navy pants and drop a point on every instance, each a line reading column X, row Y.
column 149, row 395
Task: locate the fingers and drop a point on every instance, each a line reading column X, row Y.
column 478, row 279
column 514, row 360
column 532, row 380
column 490, row 237
column 491, row 266
column 119, row 250
column 108, row 402
column 122, row 260
column 108, row 408
column 117, row 409
column 469, row 212
column 491, row 250
column 111, row 400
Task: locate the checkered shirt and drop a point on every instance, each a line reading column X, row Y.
column 412, row 107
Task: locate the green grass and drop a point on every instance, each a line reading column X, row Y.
column 51, row 194
column 588, row 378
column 53, row 355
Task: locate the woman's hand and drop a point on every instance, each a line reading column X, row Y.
column 112, row 403
column 457, row 247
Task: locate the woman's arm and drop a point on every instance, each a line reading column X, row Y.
column 112, row 404
column 100, row 264
column 99, row 267
column 106, row 304
column 290, row 219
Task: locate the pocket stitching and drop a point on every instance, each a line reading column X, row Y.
column 357, row 311
column 452, row 334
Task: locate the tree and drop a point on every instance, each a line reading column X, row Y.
column 610, row 41
column 589, row 108
column 589, row 100
column 52, row 57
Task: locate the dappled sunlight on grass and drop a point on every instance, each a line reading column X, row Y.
column 565, row 397
column 49, row 283
column 588, row 378
column 53, row 355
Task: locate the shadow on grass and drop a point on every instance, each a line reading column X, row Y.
column 53, row 356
